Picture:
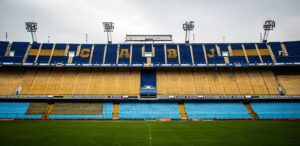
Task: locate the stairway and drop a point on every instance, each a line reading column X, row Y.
column 48, row 111
column 116, row 111
column 182, row 111
column 250, row 110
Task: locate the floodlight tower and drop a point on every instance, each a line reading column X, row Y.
column 268, row 26
column 188, row 27
column 109, row 28
column 32, row 27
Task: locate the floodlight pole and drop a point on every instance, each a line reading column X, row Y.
column 32, row 27
column 188, row 27
column 268, row 26
column 108, row 28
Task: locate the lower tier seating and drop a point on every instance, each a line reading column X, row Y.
column 81, row 111
column 216, row 111
column 16, row 110
column 148, row 111
column 275, row 110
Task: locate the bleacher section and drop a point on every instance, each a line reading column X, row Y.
column 70, row 81
column 82, row 111
column 235, row 54
column 16, row 110
column 161, row 82
column 277, row 110
column 148, row 111
column 216, row 111
column 216, row 82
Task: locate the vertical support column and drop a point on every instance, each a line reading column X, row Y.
column 104, row 54
column 91, row 55
column 52, row 51
column 178, row 53
column 130, row 58
column 245, row 53
column 260, row 58
column 8, row 49
column 118, row 49
column 166, row 55
column 27, row 53
column 271, row 53
column 204, row 51
column 285, row 52
column 192, row 54
column 38, row 54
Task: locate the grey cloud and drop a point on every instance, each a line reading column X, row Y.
column 69, row 20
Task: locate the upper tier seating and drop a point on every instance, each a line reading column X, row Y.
column 277, row 110
column 148, row 110
column 16, row 110
column 216, row 111
column 16, row 53
column 3, row 48
column 156, row 54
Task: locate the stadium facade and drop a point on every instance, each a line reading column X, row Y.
column 150, row 81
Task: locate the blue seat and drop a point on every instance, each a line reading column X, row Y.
column 172, row 59
column 83, row 57
column 34, row 47
column 19, row 49
column 293, row 48
column 58, row 55
column 198, row 54
column 148, row 111
column 253, row 58
column 98, row 54
column 216, row 111
column 212, row 55
column 277, row 110
column 45, row 57
column 265, row 58
column 111, row 54
column 16, row 110
column 124, row 57
column 3, row 48
column 159, row 57
column 237, row 58
column 185, row 54
column 137, row 57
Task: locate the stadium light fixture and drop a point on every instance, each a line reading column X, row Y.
column 188, row 26
column 108, row 28
column 268, row 26
column 32, row 28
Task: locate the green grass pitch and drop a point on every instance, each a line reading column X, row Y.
column 150, row 133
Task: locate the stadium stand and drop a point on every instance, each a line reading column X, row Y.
column 148, row 110
column 41, row 79
column 82, row 111
column 16, row 110
column 216, row 111
column 277, row 110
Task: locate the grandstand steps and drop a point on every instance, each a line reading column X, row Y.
column 48, row 111
column 182, row 111
column 115, row 111
column 250, row 110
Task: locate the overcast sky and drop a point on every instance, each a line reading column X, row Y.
column 68, row 21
